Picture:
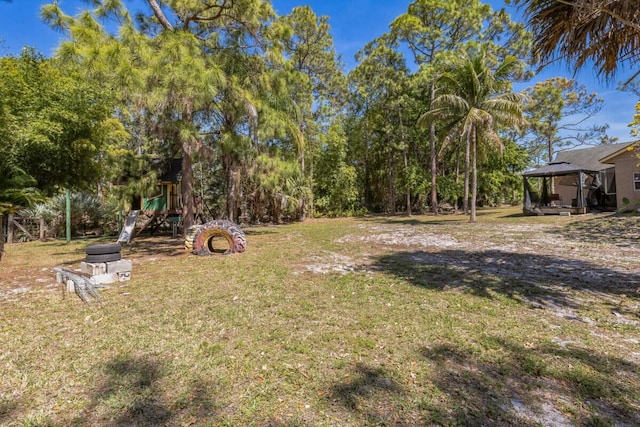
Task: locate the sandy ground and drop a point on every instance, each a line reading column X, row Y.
column 572, row 265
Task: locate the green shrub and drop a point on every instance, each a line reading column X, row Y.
column 89, row 215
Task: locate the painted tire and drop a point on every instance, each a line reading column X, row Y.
column 190, row 236
column 105, row 248
column 199, row 237
column 99, row 258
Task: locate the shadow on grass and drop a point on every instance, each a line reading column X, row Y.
column 164, row 246
column 260, row 230
column 7, row 410
column 513, row 215
column 158, row 245
column 542, row 280
column 445, row 218
column 131, row 393
column 370, row 394
column 622, row 231
column 546, row 385
column 406, row 220
column 283, row 423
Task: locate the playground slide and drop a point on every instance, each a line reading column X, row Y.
column 130, row 224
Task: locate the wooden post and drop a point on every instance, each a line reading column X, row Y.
column 1, row 235
column 42, row 227
column 68, row 213
column 580, row 194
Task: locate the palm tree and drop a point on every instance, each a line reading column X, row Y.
column 17, row 190
column 475, row 105
column 606, row 32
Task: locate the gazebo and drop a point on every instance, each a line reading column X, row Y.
column 559, row 188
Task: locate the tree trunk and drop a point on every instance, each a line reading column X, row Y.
column 392, row 189
column 229, row 172
column 303, row 170
column 550, row 153
column 368, row 194
column 455, row 202
column 406, row 168
column 433, row 157
column 302, row 161
column 465, row 200
column 474, row 184
column 186, row 188
column 186, row 182
column 406, row 165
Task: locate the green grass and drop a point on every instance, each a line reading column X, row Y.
column 343, row 322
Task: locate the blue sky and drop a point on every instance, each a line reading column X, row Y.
column 353, row 23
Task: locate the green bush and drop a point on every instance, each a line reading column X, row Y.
column 89, row 215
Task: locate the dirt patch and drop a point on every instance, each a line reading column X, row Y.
column 545, row 414
column 14, row 283
column 534, row 239
column 552, row 262
column 22, row 271
column 401, row 236
column 331, row 262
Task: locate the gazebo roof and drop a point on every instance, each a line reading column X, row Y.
column 557, row 169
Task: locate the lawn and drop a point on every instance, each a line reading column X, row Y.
column 371, row 321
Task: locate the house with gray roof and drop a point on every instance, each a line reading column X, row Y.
column 604, row 177
column 626, row 163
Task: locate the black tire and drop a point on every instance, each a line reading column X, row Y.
column 104, row 248
column 99, row 258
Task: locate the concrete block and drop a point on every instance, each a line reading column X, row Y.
column 565, row 213
column 105, row 278
column 123, row 276
column 93, row 269
column 119, row 266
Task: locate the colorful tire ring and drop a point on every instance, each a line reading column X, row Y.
column 198, row 237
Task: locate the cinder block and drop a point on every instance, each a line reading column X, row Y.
column 105, row 278
column 124, row 276
column 93, row 269
column 119, row 266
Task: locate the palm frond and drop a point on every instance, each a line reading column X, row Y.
column 607, row 33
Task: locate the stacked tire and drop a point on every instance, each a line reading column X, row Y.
column 105, row 252
column 199, row 238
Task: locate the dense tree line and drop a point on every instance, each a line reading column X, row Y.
column 267, row 124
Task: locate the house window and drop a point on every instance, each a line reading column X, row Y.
column 636, row 181
column 155, row 193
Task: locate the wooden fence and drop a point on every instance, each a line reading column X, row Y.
column 22, row 229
